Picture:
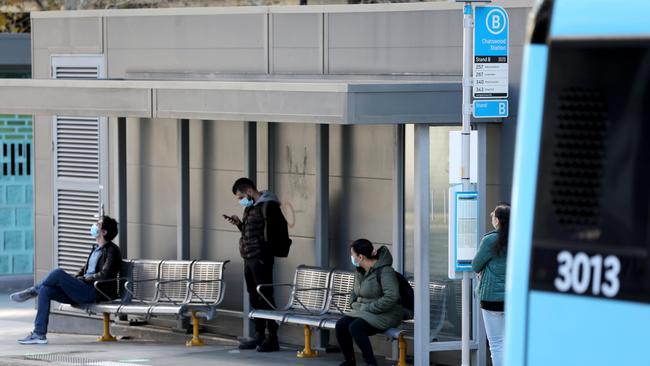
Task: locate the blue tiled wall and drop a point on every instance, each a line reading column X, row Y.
column 16, row 197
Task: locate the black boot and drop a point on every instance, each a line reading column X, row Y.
column 252, row 343
column 348, row 363
column 270, row 344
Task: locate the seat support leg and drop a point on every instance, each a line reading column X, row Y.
column 307, row 352
column 402, row 351
column 107, row 337
column 196, row 340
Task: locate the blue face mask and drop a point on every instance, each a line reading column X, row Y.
column 246, row 202
column 354, row 263
column 94, row 231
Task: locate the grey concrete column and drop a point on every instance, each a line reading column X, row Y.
column 270, row 151
column 183, row 198
column 122, row 185
column 421, row 238
column 250, row 171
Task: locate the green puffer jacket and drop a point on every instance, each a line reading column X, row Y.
column 492, row 286
column 380, row 307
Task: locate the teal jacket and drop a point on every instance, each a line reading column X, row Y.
column 379, row 306
column 492, row 267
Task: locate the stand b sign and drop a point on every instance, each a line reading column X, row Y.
column 490, row 52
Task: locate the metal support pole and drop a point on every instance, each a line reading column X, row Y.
column 421, row 238
column 398, row 200
column 468, row 24
column 250, row 171
column 322, row 195
column 122, row 185
column 479, row 357
column 398, row 211
column 107, row 336
column 183, row 199
column 322, row 208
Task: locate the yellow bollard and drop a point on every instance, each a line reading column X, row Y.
column 195, row 341
column 107, row 337
column 402, row 352
column 307, row 352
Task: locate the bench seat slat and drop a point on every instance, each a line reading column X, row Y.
column 268, row 314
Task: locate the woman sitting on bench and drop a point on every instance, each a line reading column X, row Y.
column 374, row 301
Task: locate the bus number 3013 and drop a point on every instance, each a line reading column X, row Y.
column 582, row 273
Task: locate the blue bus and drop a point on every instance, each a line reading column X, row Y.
column 578, row 286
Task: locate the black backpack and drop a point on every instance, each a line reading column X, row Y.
column 406, row 294
column 281, row 243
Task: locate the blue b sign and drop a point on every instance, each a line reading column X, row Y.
column 490, row 108
column 490, row 52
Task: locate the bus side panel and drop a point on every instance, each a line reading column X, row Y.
column 579, row 330
column 523, row 199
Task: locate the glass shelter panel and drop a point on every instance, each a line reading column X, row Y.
column 445, row 309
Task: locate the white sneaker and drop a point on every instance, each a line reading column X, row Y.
column 34, row 338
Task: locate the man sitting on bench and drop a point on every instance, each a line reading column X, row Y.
column 104, row 262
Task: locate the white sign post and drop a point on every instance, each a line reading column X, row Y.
column 490, row 80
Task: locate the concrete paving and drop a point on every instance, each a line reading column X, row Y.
column 16, row 321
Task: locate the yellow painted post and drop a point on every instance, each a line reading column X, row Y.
column 402, row 351
column 107, row 337
column 307, row 352
column 196, row 340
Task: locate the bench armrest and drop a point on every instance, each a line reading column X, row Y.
column 96, row 286
column 259, row 291
column 310, row 289
column 222, row 291
column 163, row 293
column 294, row 290
column 335, row 305
column 171, row 281
column 127, row 283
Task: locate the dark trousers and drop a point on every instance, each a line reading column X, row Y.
column 347, row 329
column 259, row 271
column 61, row 287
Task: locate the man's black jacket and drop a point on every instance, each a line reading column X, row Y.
column 108, row 267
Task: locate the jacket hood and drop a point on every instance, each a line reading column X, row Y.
column 385, row 259
column 266, row 196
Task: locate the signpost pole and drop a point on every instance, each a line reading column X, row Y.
column 468, row 24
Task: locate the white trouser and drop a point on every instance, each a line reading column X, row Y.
column 494, row 324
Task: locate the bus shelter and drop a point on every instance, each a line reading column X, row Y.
column 305, row 95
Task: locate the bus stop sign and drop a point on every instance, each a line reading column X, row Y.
column 490, row 52
column 490, row 108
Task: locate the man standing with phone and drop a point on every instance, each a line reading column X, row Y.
column 263, row 236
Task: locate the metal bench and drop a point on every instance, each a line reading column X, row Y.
column 339, row 287
column 308, row 298
column 163, row 288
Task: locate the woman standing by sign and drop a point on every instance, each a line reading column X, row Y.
column 490, row 264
